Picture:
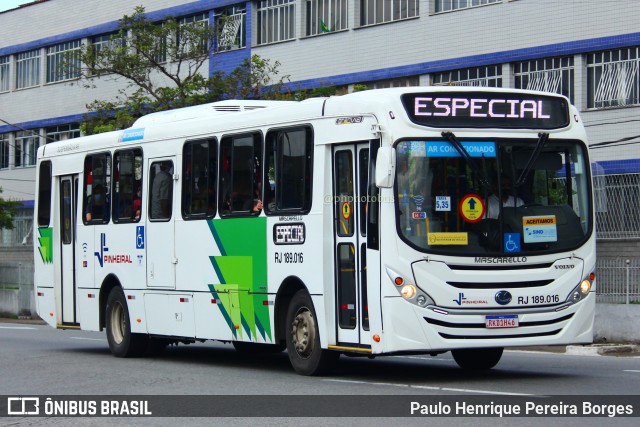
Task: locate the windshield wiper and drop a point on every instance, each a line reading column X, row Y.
column 481, row 174
column 542, row 139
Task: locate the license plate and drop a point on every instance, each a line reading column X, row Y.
column 505, row 321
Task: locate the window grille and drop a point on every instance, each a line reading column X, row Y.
column 232, row 33
column 276, row 21
column 325, row 16
column 4, row 73
column 28, row 69
column 548, row 75
column 63, row 61
column 379, row 11
column 613, row 78
column 489, row 76
column 449, row 5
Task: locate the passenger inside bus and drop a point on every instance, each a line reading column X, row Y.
column 509, row 199
column 97, row 205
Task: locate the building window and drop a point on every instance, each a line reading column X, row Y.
column 108, row 41
column 449, row 5
column 27, row 143
column 199, row 183
column 63, row 61
column 28, row 69
column 4, row 151
column 379, row 11
column 4, row 73
column 241, row 175
column 62, row 132
column 276, row 21
column 289, row 163
column 195, row 44
column 325, row 16
column 232, row 21
column 489, row 76
column 548, row 75
column 613, row 78
column 398, row 82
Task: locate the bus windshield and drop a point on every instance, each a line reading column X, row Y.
column 499, row 197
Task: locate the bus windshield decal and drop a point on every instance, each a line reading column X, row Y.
column 446, row 149
column 484, row 109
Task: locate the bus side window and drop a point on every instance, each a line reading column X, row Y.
column 97, row 188
column 161, row 195
column 127, row 188
column 44, row 194
column 241, row 175
column 199, row 183
column 289, row 170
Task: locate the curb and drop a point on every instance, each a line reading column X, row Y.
column 603, row 350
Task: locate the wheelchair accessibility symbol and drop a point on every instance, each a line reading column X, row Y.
column 140, row 237
column 512, row 242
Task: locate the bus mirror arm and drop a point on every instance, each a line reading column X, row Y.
column 385, row 167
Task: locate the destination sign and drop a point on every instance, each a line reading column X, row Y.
column 486, row 110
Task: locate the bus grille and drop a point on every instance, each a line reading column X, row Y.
column 500, row 285
column 521, row 330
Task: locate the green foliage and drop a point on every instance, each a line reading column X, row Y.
column 8, row 210
column 162, row 66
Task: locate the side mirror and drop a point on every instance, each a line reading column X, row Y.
column 385, row 167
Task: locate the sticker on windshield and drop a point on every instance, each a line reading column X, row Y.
column 540, row 229
column 471, row 208
column 448, row 238
column 473, row 148
column 512, row 242
column 443, row 203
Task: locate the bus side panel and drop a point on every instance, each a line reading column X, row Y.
column 88, row 301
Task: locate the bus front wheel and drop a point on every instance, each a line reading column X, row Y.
column 122, row 342
column 477, row 358
column 303, row 339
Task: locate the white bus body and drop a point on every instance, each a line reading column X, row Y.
column 373, row 236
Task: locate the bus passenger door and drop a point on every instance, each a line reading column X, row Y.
column 160, row 233
column 350, row 172
column 68, row 208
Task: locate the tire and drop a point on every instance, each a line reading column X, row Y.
column 303, row 338
column 122, row 342
column 257, row 348
column 477, row 358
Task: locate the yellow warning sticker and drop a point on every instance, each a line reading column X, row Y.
column 346, row 210
column 471, row 208
column 448, row 238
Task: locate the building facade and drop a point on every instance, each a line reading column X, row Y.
column 587, row 50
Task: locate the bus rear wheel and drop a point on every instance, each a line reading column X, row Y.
column 122, row 342
column 477, row 358
column 303, row 339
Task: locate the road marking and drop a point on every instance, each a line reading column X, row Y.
column 631, row 370
column 16, row 327
column 428, row 359
column 424, row 387
column 88, row 339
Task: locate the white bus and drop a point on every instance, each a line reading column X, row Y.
column 395, row 221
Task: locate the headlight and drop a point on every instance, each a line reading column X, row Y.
column 408, row 291
column 581, row 291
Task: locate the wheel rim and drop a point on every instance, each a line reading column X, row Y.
column 117, row 323
column 303, row 332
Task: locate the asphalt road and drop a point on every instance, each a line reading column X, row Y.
column 39, row 360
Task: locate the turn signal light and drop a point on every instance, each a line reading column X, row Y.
column 376, row 338
column 399, row 281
